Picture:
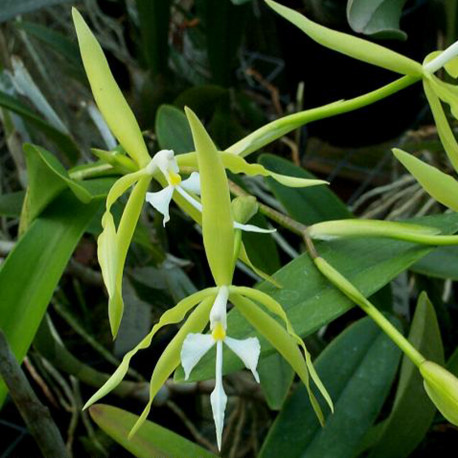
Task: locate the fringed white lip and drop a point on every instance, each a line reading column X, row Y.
column 195, row 346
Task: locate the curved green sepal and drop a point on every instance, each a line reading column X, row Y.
column 172, row 316
column 107, row 94
column 170, row 358
column 442, row 388
column 437, row 184
column 446, row 92
column 273, row 306
column 217, row 222
column 446, row 135
column 281, row 340
column 351, row 46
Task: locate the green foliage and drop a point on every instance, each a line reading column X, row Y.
column 377, row 18
column 358, row 368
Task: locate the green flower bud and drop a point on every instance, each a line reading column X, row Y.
column 244, row 208
column 442, row 389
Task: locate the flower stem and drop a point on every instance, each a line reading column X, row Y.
column 276, row 129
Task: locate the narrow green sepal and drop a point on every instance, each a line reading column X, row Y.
column 217, row 221
column 437, row 184
column 107, row 94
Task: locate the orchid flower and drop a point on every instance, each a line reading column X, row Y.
column 222, row 243
column 195, row 346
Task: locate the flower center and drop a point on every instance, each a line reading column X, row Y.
column 219, row 333
column 174, row 179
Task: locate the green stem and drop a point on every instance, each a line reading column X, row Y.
column 347, row 288
column 276, row 129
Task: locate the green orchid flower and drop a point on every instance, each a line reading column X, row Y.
column 141, row 169
column 222, row 241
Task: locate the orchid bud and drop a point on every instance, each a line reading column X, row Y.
column 442, row 388
column 244, row 208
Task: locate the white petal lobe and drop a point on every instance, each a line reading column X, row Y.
column 218, row 398
column 219, row 310
column 192, row 184
column 248, row 351
column 252, row 228
column 161, row 201
column 194, row 348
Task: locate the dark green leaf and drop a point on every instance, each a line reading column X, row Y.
column 311, row 302
column 357, row 368
column 32, row 270
column 412, row 412
column 440, row 263
column 150, row 441
column 65, row 143
column 11, row 204
column 306, row 205
column 11, row 8
column 154, row 16
column 172, row 130
column 276, row 377
column 378, row 18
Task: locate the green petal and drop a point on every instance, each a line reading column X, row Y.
column 437, row 184
column 170, row 358
column 107, row 94
column 446, row 92
column 446, row 135
column 351, row 46
column 281, row 340
column 217, row 222
column 174, row 315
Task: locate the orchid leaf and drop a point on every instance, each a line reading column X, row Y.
column 151, row 439
column 437, row 184
column 11, row 203
column 217, row 222
column 412, row 412
column 45, row 248
column 172, row 130
column 107, row 94
column 358, row 387
column 441, row 263
column 349, row 45
column 377, row 18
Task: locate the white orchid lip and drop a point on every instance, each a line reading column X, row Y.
column 195, row 346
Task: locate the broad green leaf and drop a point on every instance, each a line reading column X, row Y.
column 358, row 368
column 32, row 270
column 11, row 203
column 347, row 44
column 412, row 412
column 65, row 143
column 172, row 130
column 107, row 94
column 151, row 439
column 440, row 263
column 378, row 18
column 308, row 206
column 154, row 17
column 445, row 132
column 437, row 184
column 217, row 222
column 276, row 377
column 311, row 302
column 11, row 8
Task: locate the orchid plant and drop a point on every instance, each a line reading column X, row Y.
column 197, row 182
